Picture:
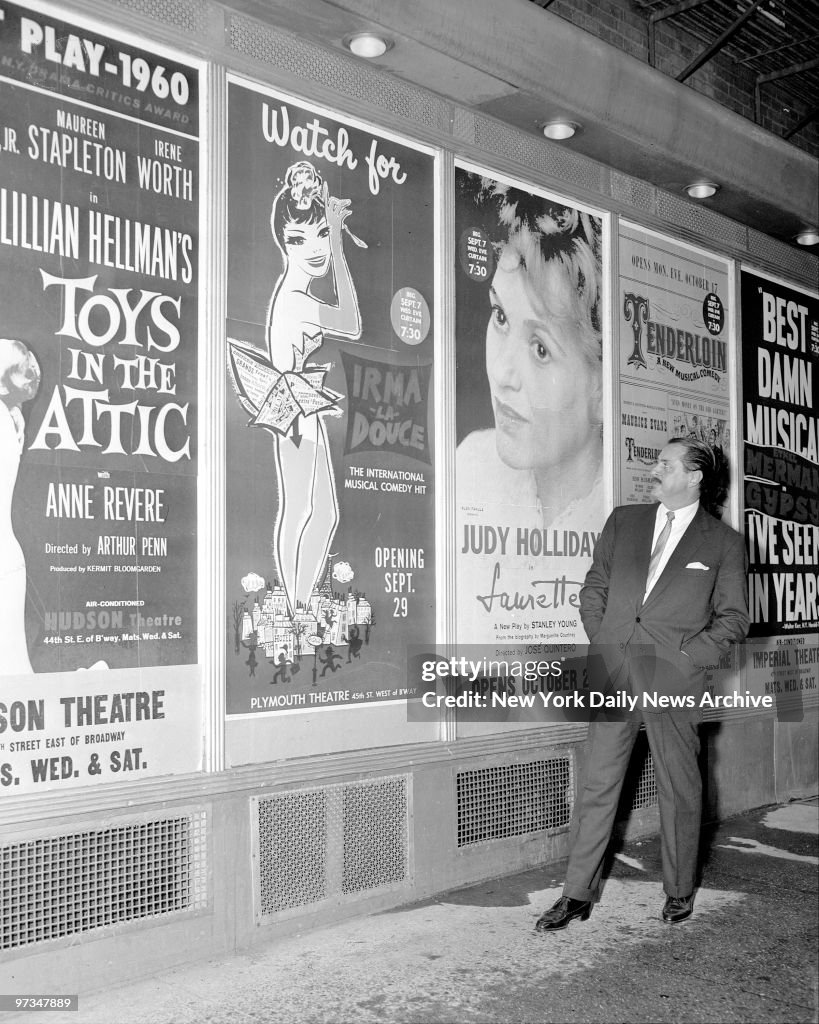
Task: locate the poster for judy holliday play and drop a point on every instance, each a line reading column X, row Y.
column 98, row 372
column 329, row 352
column 529, row 346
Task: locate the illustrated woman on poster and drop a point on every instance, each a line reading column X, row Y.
column 544, row 366
column 287, row 396
column 19, row 381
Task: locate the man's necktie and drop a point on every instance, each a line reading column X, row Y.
column 659, row 547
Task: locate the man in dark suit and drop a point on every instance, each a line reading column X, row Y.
column 665, row 596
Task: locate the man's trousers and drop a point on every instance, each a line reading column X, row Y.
column 674, row 743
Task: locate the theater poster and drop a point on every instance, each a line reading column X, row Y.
column 99, row 238
column 780, row 377
column 530, row 272
column 674, row 322
column 329, row 355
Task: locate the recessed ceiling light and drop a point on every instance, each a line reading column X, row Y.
column 810, row 236
column 367, row 44
column 560, row 130
column 702, row 189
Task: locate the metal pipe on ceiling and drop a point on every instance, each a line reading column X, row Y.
column 718, row 43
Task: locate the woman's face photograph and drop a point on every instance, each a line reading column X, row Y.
column 546, row 395
column 308, row 246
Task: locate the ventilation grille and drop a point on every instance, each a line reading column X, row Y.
column 783, row 259
column 189, row 15
column 463, row 124
column 331, row 843
column 534, row 152
column 54, row 887
column 632, row 192
column 640, row 783
column 538, row 155
column 375, row 835
column 703, row 222
column 292, row 850
column 340, row 74
column 514, row 800
column 645, row 788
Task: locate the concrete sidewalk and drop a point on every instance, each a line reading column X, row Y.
column 748, row 954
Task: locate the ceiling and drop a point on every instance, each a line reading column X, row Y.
column 523, row 65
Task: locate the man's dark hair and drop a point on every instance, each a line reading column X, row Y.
column 714, row 468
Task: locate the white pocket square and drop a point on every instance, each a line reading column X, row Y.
column 697, row 565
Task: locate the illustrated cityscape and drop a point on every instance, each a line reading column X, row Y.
column 330, row 618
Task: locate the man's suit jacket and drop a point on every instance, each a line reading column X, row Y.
column 696, row 609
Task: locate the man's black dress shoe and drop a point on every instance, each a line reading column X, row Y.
column 677, row 908
column 562, row 912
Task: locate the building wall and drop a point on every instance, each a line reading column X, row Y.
column 625, row 25
column 122, row 880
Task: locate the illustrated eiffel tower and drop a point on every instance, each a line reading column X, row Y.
column 325, row 587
